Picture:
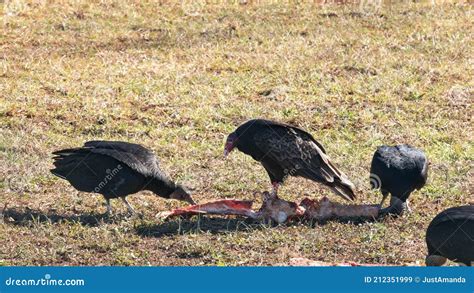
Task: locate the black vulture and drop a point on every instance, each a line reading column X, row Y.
column 285, row 150
column 451, row 236
column 398, row 170
column 115, row 169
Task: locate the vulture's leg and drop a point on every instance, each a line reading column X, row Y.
column 109, row 207
column 275, row 186
column 397, row 205
column 408, row 206
column 129, row 207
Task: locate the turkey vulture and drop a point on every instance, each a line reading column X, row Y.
column 451, row 236
column 285, row 150
column 398, row 170
column 115, row 169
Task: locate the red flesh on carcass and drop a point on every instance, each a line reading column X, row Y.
column 279, row 210
column 220, row 207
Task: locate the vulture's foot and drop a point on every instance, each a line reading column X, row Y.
column 396, row 208
column 130, row 209
column 108, row 212
column 435, row 260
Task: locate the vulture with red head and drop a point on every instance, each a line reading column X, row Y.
column 285, row 150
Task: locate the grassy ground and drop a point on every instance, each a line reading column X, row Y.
column 178, row 78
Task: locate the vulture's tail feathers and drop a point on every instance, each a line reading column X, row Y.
column 65, row 161
column 341, row 183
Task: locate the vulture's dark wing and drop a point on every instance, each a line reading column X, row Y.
column 303, row 134
column 133, row 155
column 298, row 154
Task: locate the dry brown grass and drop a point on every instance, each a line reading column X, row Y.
column 179, row 80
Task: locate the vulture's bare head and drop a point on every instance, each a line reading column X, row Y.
column 230, row 143
column 182, row 194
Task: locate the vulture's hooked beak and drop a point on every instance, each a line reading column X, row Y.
column 182, row 194
column 187, row 198
column 230, row 144
column 191, row 201
column 228, row 148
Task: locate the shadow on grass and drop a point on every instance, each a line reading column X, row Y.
column 178, row 226
column 197, row 224
column 31, row 217
column 217, row 225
